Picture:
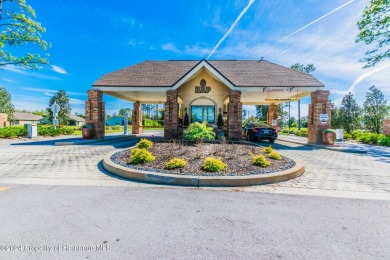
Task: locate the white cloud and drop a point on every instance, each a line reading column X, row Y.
column 170, row 47
column 9, row 80
column 53, row 91
column 366, row 75
column 29, row 73
column 59, row 69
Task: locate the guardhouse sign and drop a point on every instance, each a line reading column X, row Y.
column 202, row 88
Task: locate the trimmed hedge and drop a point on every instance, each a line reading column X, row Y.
column 13, row 131
column 153, row 123
column 371, row 138
column 294, row 130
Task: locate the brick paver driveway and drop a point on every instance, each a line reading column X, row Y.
column 326, row 171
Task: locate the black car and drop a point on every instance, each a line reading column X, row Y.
column 259, row 131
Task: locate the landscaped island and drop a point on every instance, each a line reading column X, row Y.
column 203, row 159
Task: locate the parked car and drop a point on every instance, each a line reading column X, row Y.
column 259, row 131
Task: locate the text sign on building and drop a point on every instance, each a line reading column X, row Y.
column 277, row 90
column 323, row 118
column 202, row 88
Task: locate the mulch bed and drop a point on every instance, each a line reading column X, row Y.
column 236, row 156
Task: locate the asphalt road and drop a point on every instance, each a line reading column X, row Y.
column 71, row 222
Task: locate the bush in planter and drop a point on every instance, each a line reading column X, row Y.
column 220, row 120
column 275, row 155
column 138, row 155
column 175, row 163
column 259, row 160
column 186, row 120
column 212, row 164
column 198, row 132
column 144, row 143
column 267, row 149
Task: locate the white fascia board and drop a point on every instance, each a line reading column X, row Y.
column 132, row 89
column 294, row 89
column 209, row 68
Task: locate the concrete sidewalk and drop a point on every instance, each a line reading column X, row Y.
column 347, row 147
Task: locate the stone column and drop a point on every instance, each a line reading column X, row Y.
column 386, row 127
column 273, row 116
column 319, row 105
column 171, row 123
column 136, row 123
column 95, row 112
column 234, row 124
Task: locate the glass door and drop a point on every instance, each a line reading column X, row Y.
column 203, row 113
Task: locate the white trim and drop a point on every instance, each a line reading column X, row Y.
column 203, row 64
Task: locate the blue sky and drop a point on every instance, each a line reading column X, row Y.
column 91, row 38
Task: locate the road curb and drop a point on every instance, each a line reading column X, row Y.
column 93, row 140
column 201, row 181
column 343, row 150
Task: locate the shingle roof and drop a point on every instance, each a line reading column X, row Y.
column 241, row 73
column 76, row 118
column 21, row 116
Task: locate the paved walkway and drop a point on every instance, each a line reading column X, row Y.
column 328, row 173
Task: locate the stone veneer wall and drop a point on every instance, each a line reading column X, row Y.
column 3, row 120
column 319, row 105
column 171, row 115
column 234, row 124
column 273, row 115
column 95, row 112
column 386, row 127
column 136, row 123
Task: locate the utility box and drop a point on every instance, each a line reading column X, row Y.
column 339, row 135
column 32, row 131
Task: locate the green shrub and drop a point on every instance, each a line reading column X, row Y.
column 260, row 160
column 144, row 143
column 198, row 132
column 275, row 155
column 48, row 131
column 383, row 140
column 117, row 127
column 152, row 123
column 369, row 138
column 160, row 122
column 138, row 155
column 212, row 164
column 347, row 136
column 267, row 149
column 175, row 163
column 67, row 130
column 13, row 131
column 357, row 134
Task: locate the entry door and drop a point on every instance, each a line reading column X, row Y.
column 203, row 113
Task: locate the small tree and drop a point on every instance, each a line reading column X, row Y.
column 19, row 29
column 261, row 112
column 350, row 113
column 6, row 105
column 220, row 120
column 124, row 111
column 375, row 29
column 62, row 99
column 186, row 120
column 303, row 68
column 375, row 110
column 336, row 117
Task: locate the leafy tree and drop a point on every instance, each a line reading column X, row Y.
column 292, row 122
column 375, row 109
column 62, row 99
column 124, row 111
column 219, row 120
column 80, row 115
column 336, row 121
column 19, row 29
column 261, row 112
column 375, row 29
column 6, row 105
column 305, row 121
column 350, row 113
column 302, row 68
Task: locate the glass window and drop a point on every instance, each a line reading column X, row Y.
column 203, row 113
